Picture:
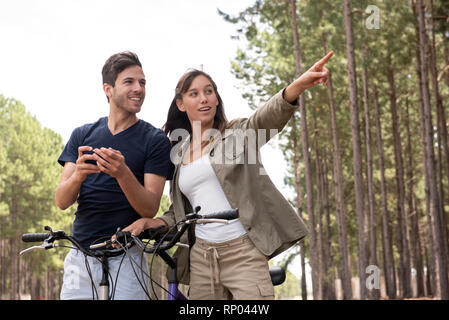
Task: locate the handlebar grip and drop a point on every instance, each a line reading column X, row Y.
column 123, row 236
column 226, row 215
column 34, row 237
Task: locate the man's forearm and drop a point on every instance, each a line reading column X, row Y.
column 67, row 192
column 145, row 202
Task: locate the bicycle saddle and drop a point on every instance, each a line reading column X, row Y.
column 277, row 275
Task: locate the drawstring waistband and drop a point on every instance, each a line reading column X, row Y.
column 213, row 266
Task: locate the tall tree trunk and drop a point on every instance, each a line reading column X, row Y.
column 328, row 233
column 429, row 267
column 442, row 134
column 374, row 293
column 14, row 250
column 345, row 272
column 403, row 239
column 446, row 59
column 356, row 145
column 322, row 271
column 387, row 244
column 413, row 212
column 441, row 266
column 430, row 263
column 3, row 263
column 299, row 197
column 306, row 157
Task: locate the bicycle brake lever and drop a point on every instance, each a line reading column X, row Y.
column 41, row 247
column 106, row 244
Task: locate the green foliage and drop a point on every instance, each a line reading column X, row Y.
column 163, row 207
column 29, row 174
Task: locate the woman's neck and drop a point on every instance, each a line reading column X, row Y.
column 198, row 132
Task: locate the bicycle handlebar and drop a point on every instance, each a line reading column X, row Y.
column 173, row 238
column 48, row 240
column 226, row 215
column 35, row 237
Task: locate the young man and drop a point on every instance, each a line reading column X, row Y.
column 116, row 170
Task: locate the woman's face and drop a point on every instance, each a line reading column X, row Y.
column 200, row 102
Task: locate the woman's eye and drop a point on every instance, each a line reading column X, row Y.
column 192, row 94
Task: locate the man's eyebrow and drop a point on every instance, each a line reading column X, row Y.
column 131, row 78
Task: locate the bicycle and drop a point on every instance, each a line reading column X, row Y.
column 162, row 243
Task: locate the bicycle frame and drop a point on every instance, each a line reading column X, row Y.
column 173, row 291
column 104, row 283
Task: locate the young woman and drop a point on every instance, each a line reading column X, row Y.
column 217, row 167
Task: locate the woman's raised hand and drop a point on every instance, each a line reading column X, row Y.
column 317, row 74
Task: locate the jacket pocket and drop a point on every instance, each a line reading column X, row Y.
column 266, row 289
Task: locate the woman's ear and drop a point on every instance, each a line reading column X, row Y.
column 180, row 105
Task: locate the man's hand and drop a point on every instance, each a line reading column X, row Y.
column 110, row 161
column 138, row 226
column 83, row 169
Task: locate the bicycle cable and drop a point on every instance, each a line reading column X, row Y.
column 89, row 272
column 114, row 284
column 132, row 261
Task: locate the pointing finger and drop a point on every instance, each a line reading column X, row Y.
column 323, row 60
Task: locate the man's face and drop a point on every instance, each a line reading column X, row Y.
column 128, row 93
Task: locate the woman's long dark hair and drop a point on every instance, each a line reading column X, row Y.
column 177, row 119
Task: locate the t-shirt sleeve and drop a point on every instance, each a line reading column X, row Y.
column 70, row 152
column 158, row 156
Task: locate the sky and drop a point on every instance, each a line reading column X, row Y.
column 53, row 52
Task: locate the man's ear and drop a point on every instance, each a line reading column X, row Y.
column 180, row 105
column 107, row 88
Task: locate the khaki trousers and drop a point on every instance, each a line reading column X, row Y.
column 234, row 269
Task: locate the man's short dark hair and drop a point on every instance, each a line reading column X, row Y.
column 116, row 64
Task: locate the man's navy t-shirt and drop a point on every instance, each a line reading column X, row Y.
column 102, row 205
